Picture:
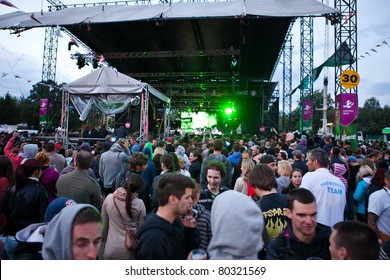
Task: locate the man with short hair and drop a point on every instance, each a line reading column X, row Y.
column 74, row 234
column 328, row 190
column 134, row 145
column 165, row 235
column 379, row 210
column 353, row 240
column 303, row 238
column 298, row 162
column 78, row 185
column 217, row 156
column 215, row 173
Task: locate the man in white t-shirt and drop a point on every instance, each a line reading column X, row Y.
column 328, row 190
column 379, row 210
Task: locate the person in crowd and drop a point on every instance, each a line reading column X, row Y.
column 112, row 163
column 242, row 183
column 167, row 166
column 138, row 164
column 354, row 167
column 202, row 217
column 298, row 161
column 57, row 160
column 29, row 151
column 375, row 157
column 302, row 145
column 235, row 156
column 134, row 144
column 182, row 164
column 303, row 238
column 30, row 239
column 180, row 152
column 284, row 171
column 329, row 191
column 165, row 235
column 157, row 163
column 377, row 183
column 150, row 173
column 69, row 156
column 215, row 173
column 170, row 148
column 6, row 176
column 107, row 144
column 295, row 181
column 328, row 145
column 379, row 210
column 196, row 164
column 337, row 157
column 49, row 175
column 271, row 162
column 23, row 204
column 122, row 210
column 73, row 234
column 364, row 179
column 353, row 240
column 272, row 204
column 78, row 185
column 238, row 240
column 339, row 171
column 219, row 157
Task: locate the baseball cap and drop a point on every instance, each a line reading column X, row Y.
column 86, row 147
column 352, row 159
column 169, row 139
column 267, row 159
column 56, row 206
column 58, row 146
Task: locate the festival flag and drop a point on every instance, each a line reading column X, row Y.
column 43, row 106
column 307, row 110
column 348, row 108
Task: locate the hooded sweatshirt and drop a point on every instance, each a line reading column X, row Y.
column 111, row 163
column 338, row 171
column 237, row 225
column 181, row 151
column 360, row 194
column 161, row 240
column 57, row 244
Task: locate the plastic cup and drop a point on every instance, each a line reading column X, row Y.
column 199, row 254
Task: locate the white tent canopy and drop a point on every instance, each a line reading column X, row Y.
column 110, row 91
column 173, row 10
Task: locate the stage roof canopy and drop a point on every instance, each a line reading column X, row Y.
column 190, row 51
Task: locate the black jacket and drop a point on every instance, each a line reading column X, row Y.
column 161, row 240
column 25, row 207
column 287, row 247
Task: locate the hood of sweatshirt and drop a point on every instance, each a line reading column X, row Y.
column 57, row 244
column 30, row 151
column 237, row 225
column 339, row 169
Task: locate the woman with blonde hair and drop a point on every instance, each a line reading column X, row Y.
column 363, row 179
column 241, row 184
column 122, row 209
column 284, row 170
column 49, row 175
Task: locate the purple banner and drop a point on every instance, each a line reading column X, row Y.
column 307, row 110
column 349, row 108
column 43, row 105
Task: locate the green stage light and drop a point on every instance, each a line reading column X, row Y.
column 228, row 111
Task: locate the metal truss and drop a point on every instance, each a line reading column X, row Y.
column 287, row 82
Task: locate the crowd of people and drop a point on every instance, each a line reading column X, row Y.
column 286, row 196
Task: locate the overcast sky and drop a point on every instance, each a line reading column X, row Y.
column 23, row 56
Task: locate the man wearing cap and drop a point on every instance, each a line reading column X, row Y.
column 271, row 161
column 298, row 162
column 107, row 143
column 56, row 159
column 170, row 148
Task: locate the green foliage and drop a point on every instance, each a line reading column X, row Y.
column 372, row 118
column 9, row 109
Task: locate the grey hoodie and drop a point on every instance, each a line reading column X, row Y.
column 57, row 244
column 237, row 225
column 30, row 151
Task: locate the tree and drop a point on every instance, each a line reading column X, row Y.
column 372, row 118
column 9, row 109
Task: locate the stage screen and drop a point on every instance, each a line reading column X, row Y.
column 191, row 121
